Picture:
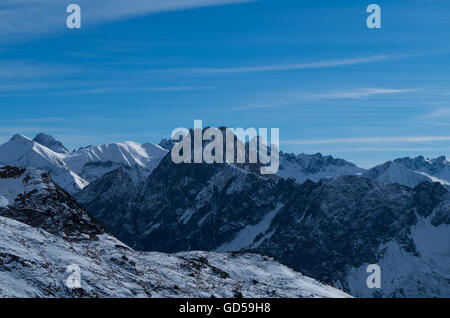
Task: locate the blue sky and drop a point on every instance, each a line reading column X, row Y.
column 139, row 69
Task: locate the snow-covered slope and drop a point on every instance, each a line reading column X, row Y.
column 43, row 230
column 314, row 167
column 430, row 264
column 392, row 172
column 395, row 172
column 138, row 159
column 24, row 152
column 32, row 197
column 35, row 266
column 74, row 170
column 438, row 168
column 14, row 182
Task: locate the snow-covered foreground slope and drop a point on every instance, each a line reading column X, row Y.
column 43, row 230
column 33, row 264
column 75, row 170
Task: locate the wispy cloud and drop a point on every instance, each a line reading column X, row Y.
column 23, row 77
column 37, row 119
column 384, row 149
column 172, row 88
column 292, row 67
column 358, row 93
column 437, row 114
column 366, row 140
column 20, row 18
column 26, row 69
column 266, row 104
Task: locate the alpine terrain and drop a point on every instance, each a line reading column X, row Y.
column 320, row 215
column 331, row 229
column 43, row 230
column 74, row 170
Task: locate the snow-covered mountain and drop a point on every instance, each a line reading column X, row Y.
column 24, row 152
column 50, row 142
column 393, row 172
column 43, row 230
column 74, row 170
column 138, row 159
column 406, row 171
column 330, row 230
column 438, row 168
column 314, row 167
column 396, row 172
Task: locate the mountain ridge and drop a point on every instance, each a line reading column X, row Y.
column 74, row 170
column 43, row 231
column 223, row 208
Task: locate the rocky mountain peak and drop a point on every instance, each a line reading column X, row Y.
column 50, row 142
column 19, row 138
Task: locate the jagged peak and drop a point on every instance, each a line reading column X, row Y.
column 50, row 142
column 422, row 159
column 442, row 159
column 44, row 137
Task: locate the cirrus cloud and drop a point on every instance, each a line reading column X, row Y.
column 22, row 18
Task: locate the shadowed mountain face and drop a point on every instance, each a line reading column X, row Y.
column 331, row 230
column 50, row 142
column 191, row 199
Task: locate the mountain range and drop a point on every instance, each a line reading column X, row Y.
column 331, row 230
column 74, row 170
column 320, row 215
column 43, row 230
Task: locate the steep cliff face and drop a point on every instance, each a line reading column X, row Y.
column 349, row 223
column 185, row 207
